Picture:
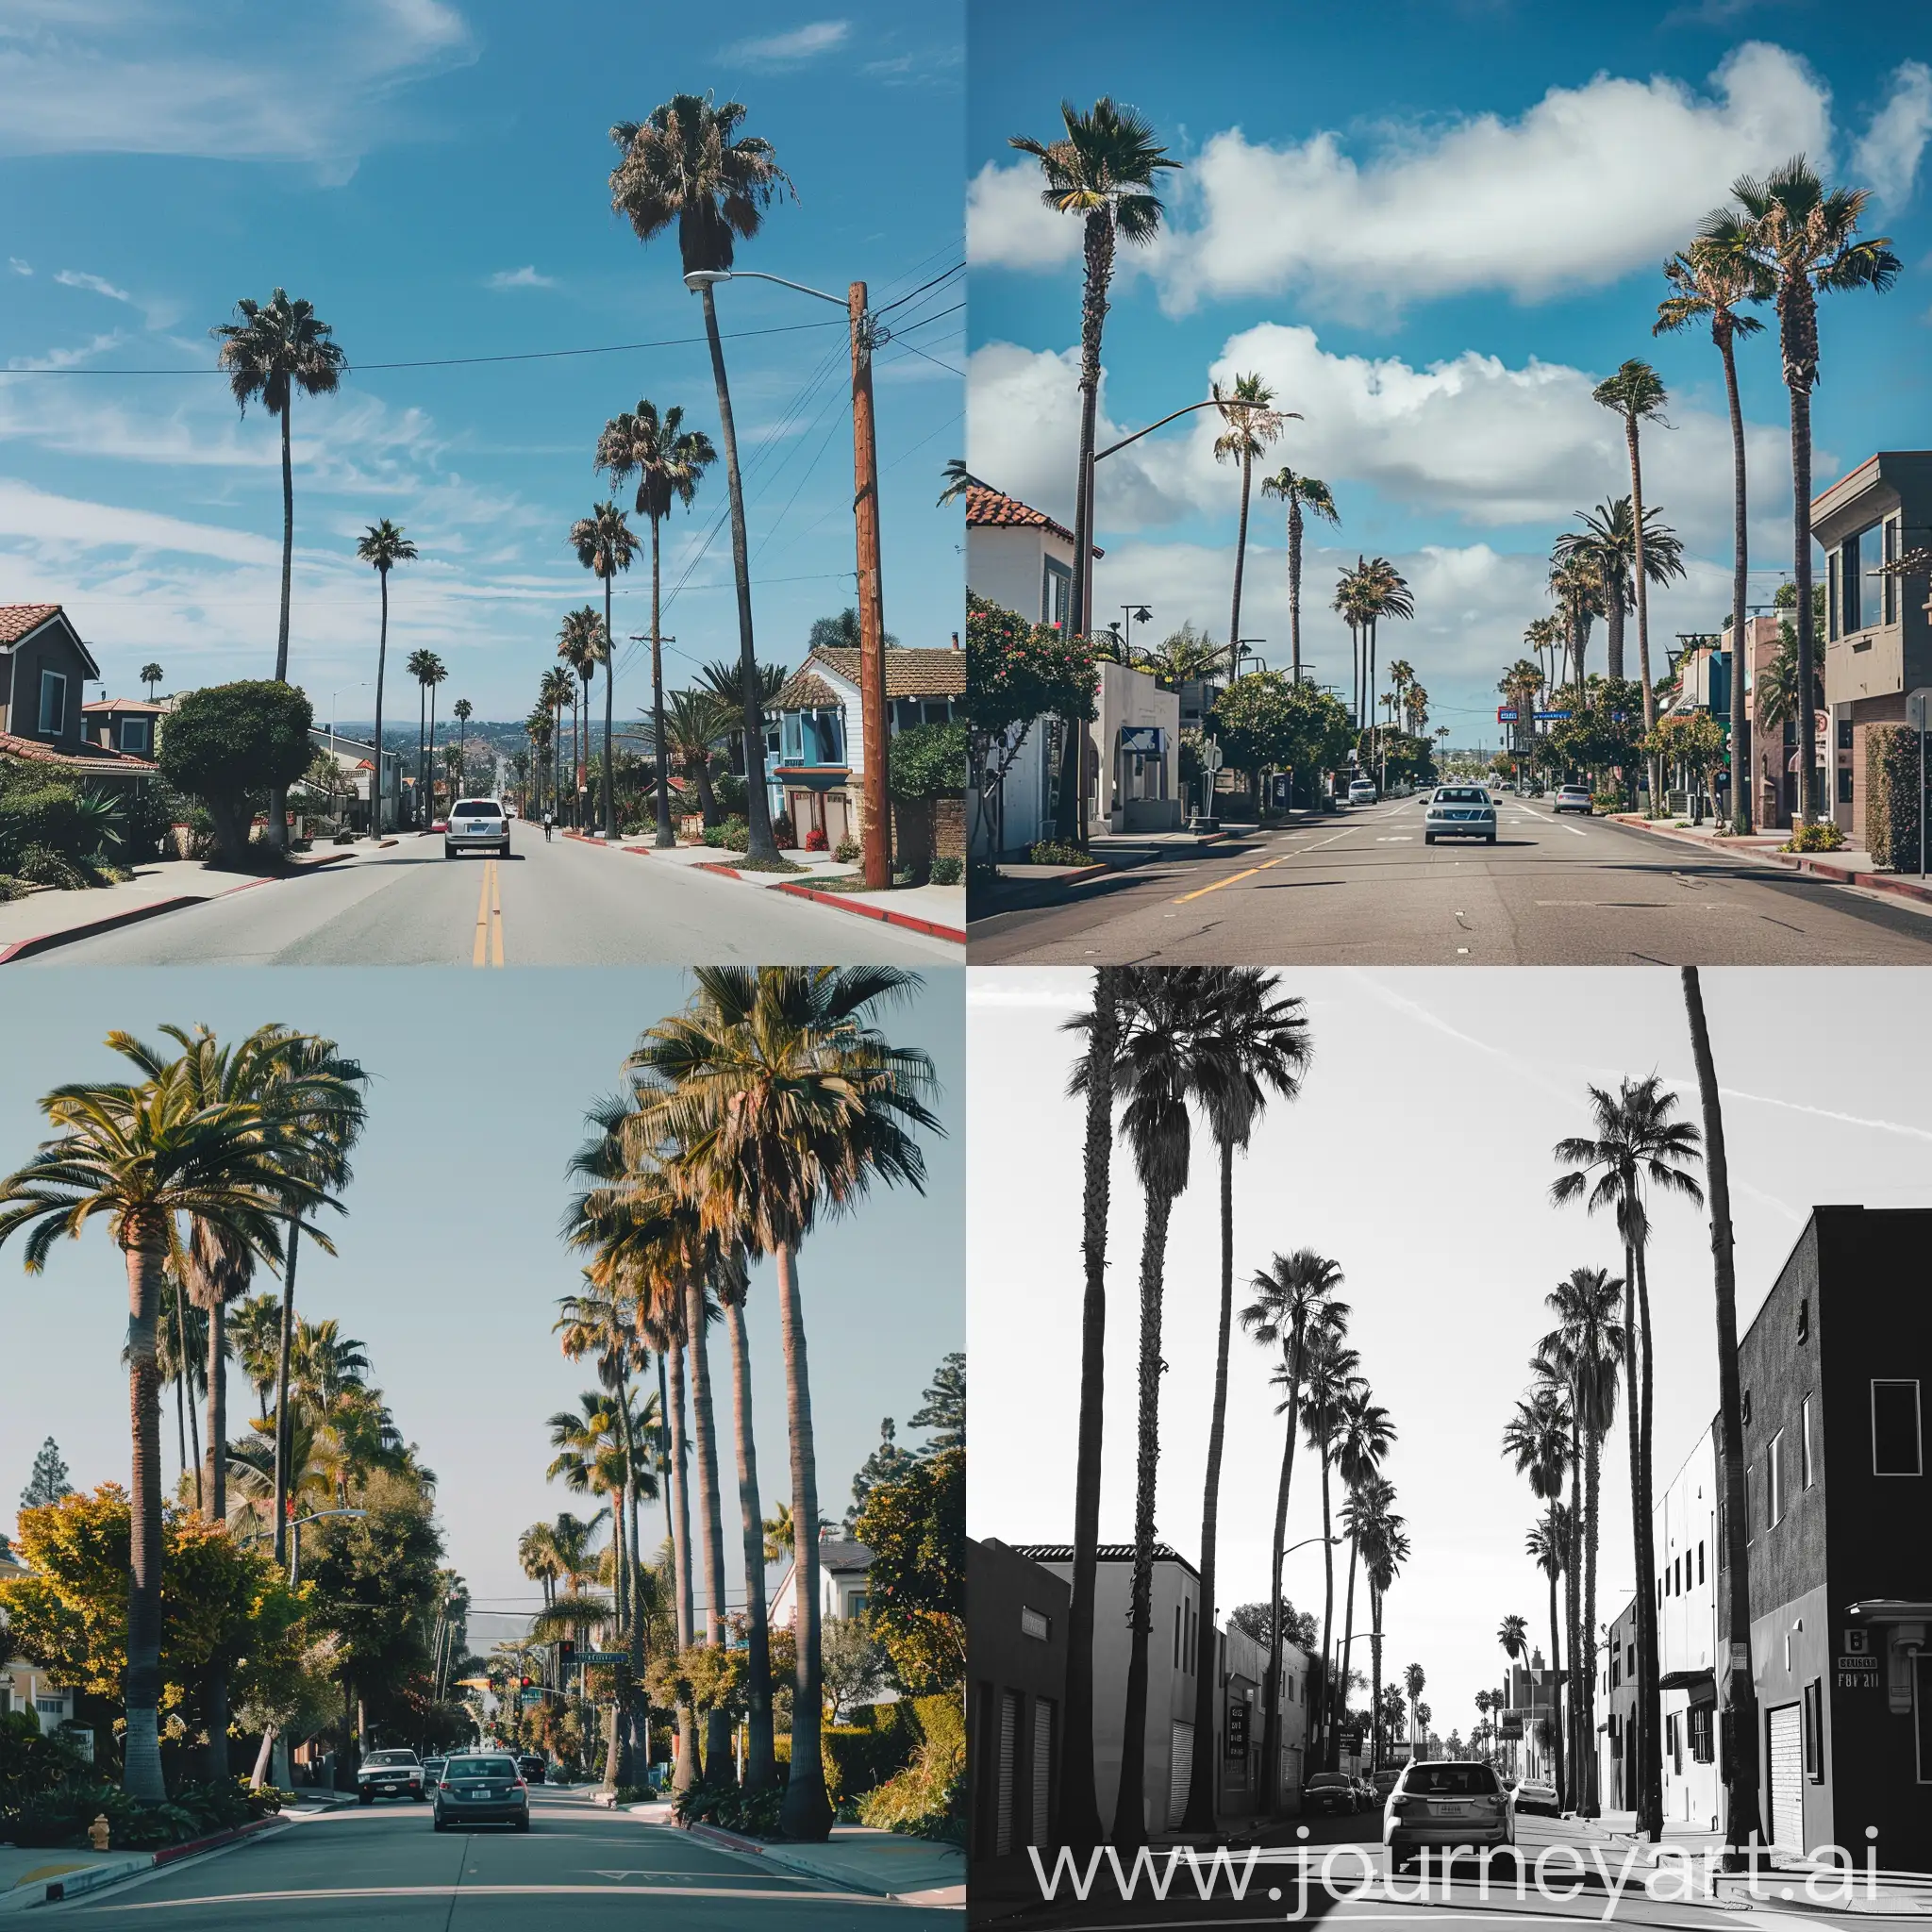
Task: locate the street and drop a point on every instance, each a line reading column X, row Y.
column 578, row 1866
column 564, row 904
column 1364, row 889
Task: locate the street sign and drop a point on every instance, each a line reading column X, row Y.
column 1512, row 1724
column 1548, row 717
column 534, row 1695
column 1144, row 740
column 1238, row 1729
column 1210, row 755
column 1506, row 714
column 602, row 1657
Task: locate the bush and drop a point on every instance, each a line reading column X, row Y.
column 846, row 852
column 1050, row 852
column 784, row 833
column 858, row 1759
column 60, row 1816
column 815, row 839
column 734, row 835
column 31, row 1761
column 730, row 1808
column 928, row 762
column 53, row 834
column 929, row 1798
column 1607, row 802
column 1822, row 838
column 945, row 871
column 729, row 789
column 40, row 865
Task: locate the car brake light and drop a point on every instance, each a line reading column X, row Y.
column 442, row 1783
column 522, row 1786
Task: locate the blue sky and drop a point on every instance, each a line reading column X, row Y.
column 433, row 176
column 1434, row 235
column 448, row 1264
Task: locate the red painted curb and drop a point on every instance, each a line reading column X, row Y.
column 169, row 1854
column 727, row 871
column 910, row 920
column 46, row 942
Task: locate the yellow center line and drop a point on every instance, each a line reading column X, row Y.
column 1233, row 878
column 479, row 955
column 497, row 911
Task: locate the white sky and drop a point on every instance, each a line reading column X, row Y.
column 1418, row 1155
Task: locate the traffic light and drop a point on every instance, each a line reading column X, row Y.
column 523, row 1683
column 567, row 1651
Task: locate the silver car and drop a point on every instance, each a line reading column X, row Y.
column 389, row 1775
column 1574, row 798
column 1460, row 811
column 482, row 1788
column 1446, row 1805
column 477, row 824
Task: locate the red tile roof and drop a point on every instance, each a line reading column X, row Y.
column 145, row 707
column 35, row 751
column 987, row 505
column 16, row 620
column 917, row 672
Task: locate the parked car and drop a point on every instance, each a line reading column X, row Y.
column 1365, row 1794
column 475, row 824
column 1460, row 811
column 1329, row 1792
column 531, row 1765
column 1573, row 798
column 1537, row 1796
column 1446, row 1803
column 1384, row 1781
column 482, row 1788
column 1361, row 791
column 389, row 1775
column 432, row 1769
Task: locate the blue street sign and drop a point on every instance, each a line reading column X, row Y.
column 1546, row 717
column 1506, row 714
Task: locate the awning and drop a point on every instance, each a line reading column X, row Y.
column 1702, row 1685
column 1890, row 1609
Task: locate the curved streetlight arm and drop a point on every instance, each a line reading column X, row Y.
column 698, row 278
column 1212, row 403
column 1336, row 1541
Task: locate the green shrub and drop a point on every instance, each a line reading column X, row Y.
column 231, row 744
column 730, row 1808
column 40, row 814
column 734, row 835
column 1820, row 838
column 1606, row 802
column 928, row 762
column 729, row 789
column 42, row 865
column 945, row 871
column 31, row 1760
column 1050, row 852
column 846, row 852
column 929, row 1798
column 1891, row 786
column 860, row 1758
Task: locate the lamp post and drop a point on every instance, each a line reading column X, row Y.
column 295, row 1523
column 874, row 731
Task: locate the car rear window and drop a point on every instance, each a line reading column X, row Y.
column 476, row 808
column 480, row 1767
column 391, row 1757
column 1452, row 1780
column 1325, row 1778
column 1462, row 795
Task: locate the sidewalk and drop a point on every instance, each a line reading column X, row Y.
column 30, row 1879
column 1850, row 866
column 911, row 1871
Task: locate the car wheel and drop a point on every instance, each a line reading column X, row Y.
column 449, row 851
column 524, row 1823
column 437, row 1823
column 1489, row 839
column 1428, row 838
column 502, row 850
column 419, row 1796
column 365, row 1797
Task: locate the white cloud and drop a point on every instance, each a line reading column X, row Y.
column 1007, row 225
column 783, row 50
column 68, row 358
column 524, row 278
column 169, row 76
column 1888, row 156
column 75, row 278
column 67, row 523
column 18, row 266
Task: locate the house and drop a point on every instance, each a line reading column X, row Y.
column 1134, row 766
column 817, row 775
column 1616, row 1725
column 1877, row 644
column 25, row 1686
column 1684, row 1534
column 1016, row 1670
column 354, row 759
column 129, row 725
column 1535, row 1707
column 844, row 1570
column 44, row 668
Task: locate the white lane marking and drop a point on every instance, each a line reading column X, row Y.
column 1396, row 839
column 792, row 1899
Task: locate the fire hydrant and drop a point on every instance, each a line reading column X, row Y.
column 98, row 1831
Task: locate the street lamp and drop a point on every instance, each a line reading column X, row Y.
column 295, row 1523
column 874, row 730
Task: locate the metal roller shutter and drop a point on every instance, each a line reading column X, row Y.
column 1009, row 1745
column 1180, row 1771
column 1038, row 1824
column 1788, row 1779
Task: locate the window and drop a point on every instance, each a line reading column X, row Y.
column 1806, row 1475
column 1700, row 1562
column 1748, row 1392
column 1844, row 783
column 1895, row 1441
column 1177, row 1637
column 1056, row 592
column 1890, row 583
column 1851, row 582
column 1773, row 1482
column 134, row 736
column 1616, row 1672
column 52, row 704
column 1674, row 1743
column 1845, row 744
column 1701, row 1720
column 1748, row 1519
column 1814, row 1730
column 1833, row 575
column 1629, row 1660
column 1805, row 1307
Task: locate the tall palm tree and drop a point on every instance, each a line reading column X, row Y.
column 1102, row 168
column 1538, row 1438
column 275, row 348
column 254, row 1337
column 151, row 675
column 1311, row 495
column 1740, row 1696
column 428, row 671
column 1364, row 1435
column 1579, row 590
column 462, row 710
column 1253, row 423
column 143, row 1154
column 556, row 689
column 1414, row 1681
column 669, row 461
column 1294, row 1302
column 1636, row 392
column 689, row 164
column 1637, row 1146
column 1707, row 282
column 1607, row 541
column 787, row 1103
column 1249, row 1045
column 604, row 545
column 181, row 1358
column 1512, row 1634
column 1385, row 1550
column 1385, row 592
column 1351, row 603
column 539, row 1558
column 1099, row 1027
column 382, row 546
column 1545, row 637
column 1804, row 239
column 581, row 647
column 1329, row 1376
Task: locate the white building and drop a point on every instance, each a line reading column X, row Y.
column 25, row 1686
column 1684, row 1529
column 844, row 1570
column 1134, row 763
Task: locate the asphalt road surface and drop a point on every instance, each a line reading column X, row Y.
column 385, row 1870
column 563, row 904
column 1364, row 889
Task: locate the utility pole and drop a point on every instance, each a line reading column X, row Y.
column 874, row 727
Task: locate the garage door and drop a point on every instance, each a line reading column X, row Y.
column 1788, row 1779
column 1180, row 1771
column 1009, row 1751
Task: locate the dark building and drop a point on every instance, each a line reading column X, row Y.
column 1016, row 1668
column 1832, row 1372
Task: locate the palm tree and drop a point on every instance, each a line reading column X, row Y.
column 1544, row 635
column 1385, row 1550
column 428, row 671
column 1102, row 169
column 1078, row 1808
column 1295, row 1303
column 1180, row 658
column 1636, row 1144
column 1252, row 424
column 1607, row 541
column 277, row 347
column 1351, row 604
column 382, row 546
column 1803, row 239
column 462, row 710
column 1329, row 1376
column 253, row 1338
column 151, row 675
column 1577, row 588
column 1363, row 1436
column 181, row 1358
column 1249, row 1044
column 1538, row 1438
column 787, row 1103
column 1384, row 594
column 688, row 163
column 1414, row 1680
column 1636, row 392
column 1740, row 1699
column 669, row 461
column 604, row 545
column 539, row 1558
column 1707, row 282
column 556, row 689
column 143, row 1154
column 1300, row 493
column 696, row 723
column 580, row 645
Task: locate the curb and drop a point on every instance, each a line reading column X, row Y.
column 1818, row 865
column 59, row 1889
column 911, row 921
column 777, row 1855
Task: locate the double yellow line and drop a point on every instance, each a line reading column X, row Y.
column 489, row 947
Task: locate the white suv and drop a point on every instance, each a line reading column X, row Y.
column 477, row 822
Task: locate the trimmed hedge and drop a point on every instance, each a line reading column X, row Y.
column 1892, row 797
column 860, row 1758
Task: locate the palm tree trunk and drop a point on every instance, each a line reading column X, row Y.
column 807, row 1812
column 1565, row 1799
column 142, row 1756
column 1294, row 588
column 1130, row 1808
column 1739, row 1750
column 1741, row 807
column 432, row 752
column 1201, row 1790
column 687, row 1772
column 1613, row 626
column 609, row 674
column 760, row 1765
column 1273, row 1797
column 665, row 835
column 1234, row 616
column 1651, row 1820
column 1801, row 572
column 758, row 809
column 1593, row 1457
column 1581, row 1656
column 282, row 1352
column 1375, row 1677
column 422, row 715
column 1079, row 1809
column 1636, row 1753
column 634, row 1623
column 1347, row 1634
column 710, row 1518
column 216, row 1681
column 375, row 761
column 181, row 1417
column 1327, row 1610
column 185, row 1379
